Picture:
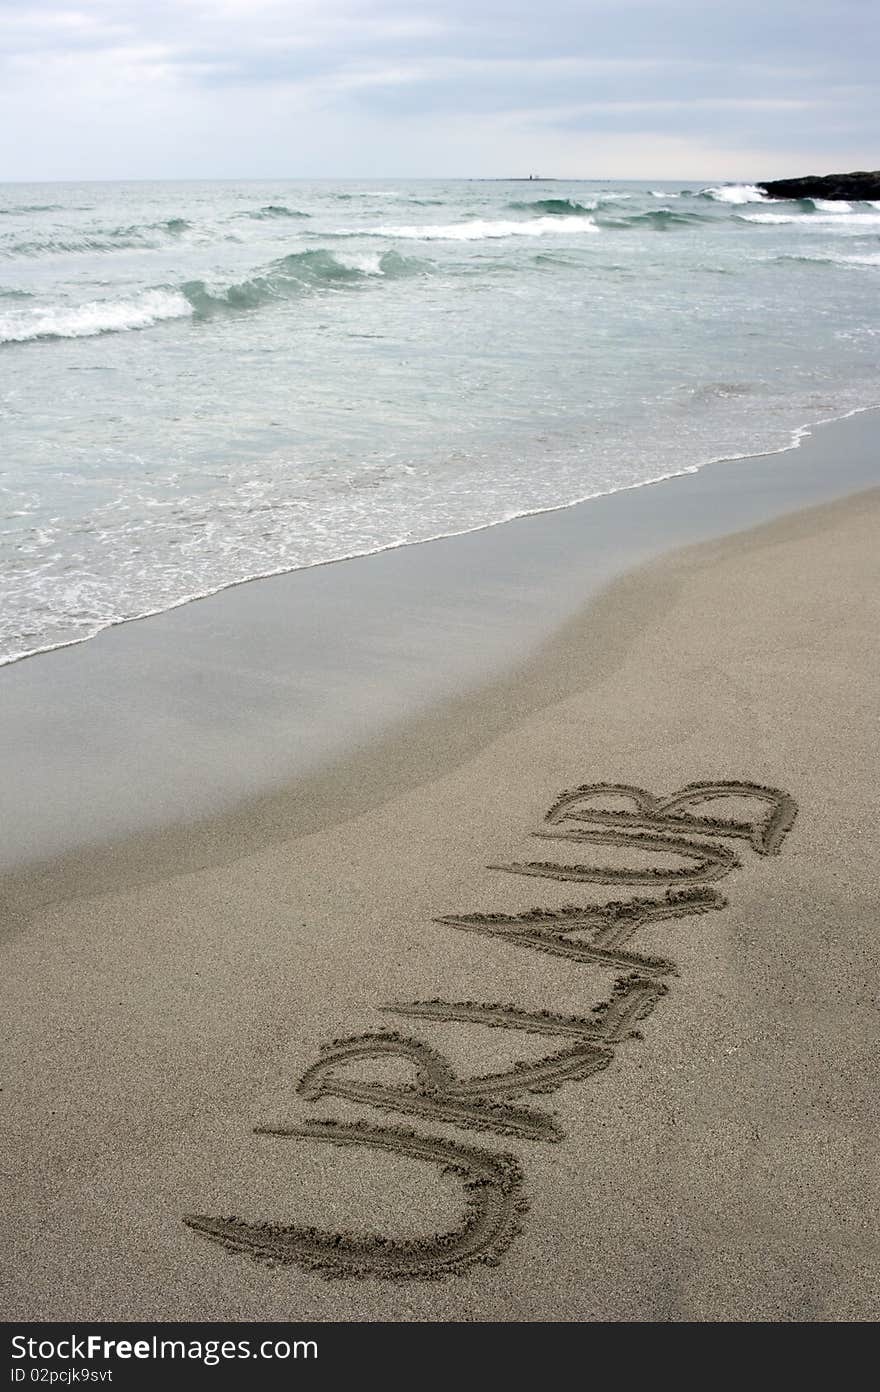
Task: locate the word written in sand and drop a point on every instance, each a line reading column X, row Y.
column 680, row 825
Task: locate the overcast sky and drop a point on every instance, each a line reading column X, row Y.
column 111, row 89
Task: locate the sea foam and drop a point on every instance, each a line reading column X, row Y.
column 95, row 317
column 808, row 220
column 480, row 229
column 736, row 193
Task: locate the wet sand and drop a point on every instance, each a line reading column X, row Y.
column 704, row 1143
column 178, row 717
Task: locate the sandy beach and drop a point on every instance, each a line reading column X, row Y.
column 182, row 1007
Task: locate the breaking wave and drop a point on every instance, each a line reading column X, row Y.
column 478, row 230
column 96, row 317
column 301, row 270
column 814, row 219
column 285, row 279
column 830, row 205
column 736, row 193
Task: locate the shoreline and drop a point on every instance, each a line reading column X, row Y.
column 796, row 437
column 162, row 725
column 180, row 989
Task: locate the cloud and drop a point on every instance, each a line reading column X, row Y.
column 153, row 88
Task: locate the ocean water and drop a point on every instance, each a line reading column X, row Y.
column 205, row 382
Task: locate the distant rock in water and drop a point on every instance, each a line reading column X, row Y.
column 857, row 186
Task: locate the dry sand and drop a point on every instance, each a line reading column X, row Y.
column 167, row 1002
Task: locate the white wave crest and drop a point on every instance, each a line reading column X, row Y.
column 847, row 219
column 831, row 205
column 774, row 218
column 96, row 317
column 808, row 220
column 869, row 259
column 481, row 230
column 368, row 262
column 736, row 193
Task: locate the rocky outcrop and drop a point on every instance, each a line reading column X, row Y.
column 859, row 185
